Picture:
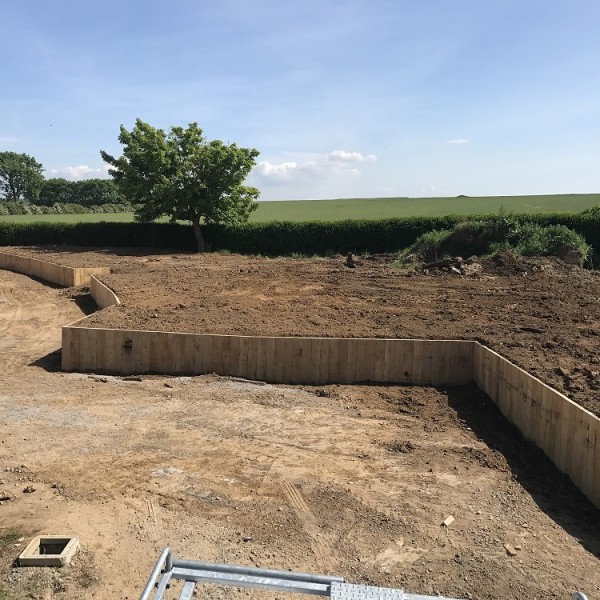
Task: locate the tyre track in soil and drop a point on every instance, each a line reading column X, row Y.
column 31, row 317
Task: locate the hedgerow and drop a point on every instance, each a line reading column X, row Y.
column 60, row 208
column 285, row 238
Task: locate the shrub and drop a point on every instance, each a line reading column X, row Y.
column 486, row 236
column 550, row 241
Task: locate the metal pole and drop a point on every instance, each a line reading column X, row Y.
column 255, row 571
column 164, row 558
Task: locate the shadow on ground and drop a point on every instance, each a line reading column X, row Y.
column 51, row 362
column 552, row 491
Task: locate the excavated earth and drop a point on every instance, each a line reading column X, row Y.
column 348, row 480
column 541, row 314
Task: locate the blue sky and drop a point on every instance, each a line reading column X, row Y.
column 343, row 98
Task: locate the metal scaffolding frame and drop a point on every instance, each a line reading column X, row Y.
column 193, row 572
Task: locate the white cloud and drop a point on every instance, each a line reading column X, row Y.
column 283, row 169
column 79, row 172
column 343, row 155
column 338, row 162
column 457, row 141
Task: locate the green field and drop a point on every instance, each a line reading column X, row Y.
column 370, row 208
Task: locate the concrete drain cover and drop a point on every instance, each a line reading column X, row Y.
column 49, row 551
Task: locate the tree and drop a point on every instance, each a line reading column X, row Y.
column 182, row 175
column 56, row 189
column 20, row 176
column 87, row 192
column 93, row 192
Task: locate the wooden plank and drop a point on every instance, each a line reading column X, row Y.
column 504, row 390
column 217, row 354
column 365, row 360
column 141, row 351
column 465, row 363
column 278, row 360
column 495, row 362
column 480, row 360
column 87, row 350
column 518, row 387
column 234, row 355
column 535, row 391
column 185, row 354
column 334, row 360
column 389, row 362
column 127, row 351
column 226, row 355
column 258, row 351
column 118, row 339
column 546, row 424
column 324, row 360
column 242, row 368
column 107, row 339
column 403, row 366
column 477, row 358
column 553, row 401
column 595, row 495
column 590, row 426
column 487, row 370
column 199, row 354
column 352, row 360
column 440, row 357
column 66, row 356
column 379, row 360
column 101, row 350
column 169, row 361
column 302, row 367
column 314, row 364
column 178, row 349
column 522, row 414
column 77, row 277
column 290, row 354
column 417, row 363
column 157, row 350
column 570, row 453
column 341, row 375
column 427, row 375
column 211, row 359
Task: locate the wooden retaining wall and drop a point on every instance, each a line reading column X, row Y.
column 65, row 276
column 103, row 296
column 293, row 360
column 566, row 432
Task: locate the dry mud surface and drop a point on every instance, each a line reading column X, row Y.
column 348, row 480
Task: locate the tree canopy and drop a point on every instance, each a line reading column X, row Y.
column 87, row 192
column 20, row 176
column 182, row 175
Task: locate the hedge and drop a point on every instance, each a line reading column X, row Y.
column 271, row 239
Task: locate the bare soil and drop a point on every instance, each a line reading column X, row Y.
column 348, row 480
column 541, row 314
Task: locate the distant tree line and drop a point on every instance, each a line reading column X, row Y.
column 22, row 181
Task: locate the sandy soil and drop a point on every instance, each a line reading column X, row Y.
column 345, row 480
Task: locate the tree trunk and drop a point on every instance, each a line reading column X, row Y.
column 198, row 234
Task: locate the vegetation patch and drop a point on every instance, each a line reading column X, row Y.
column 509, row 232
column 442, row 235
column 8, row 539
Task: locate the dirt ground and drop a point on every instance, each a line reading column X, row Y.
column 347, row 480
